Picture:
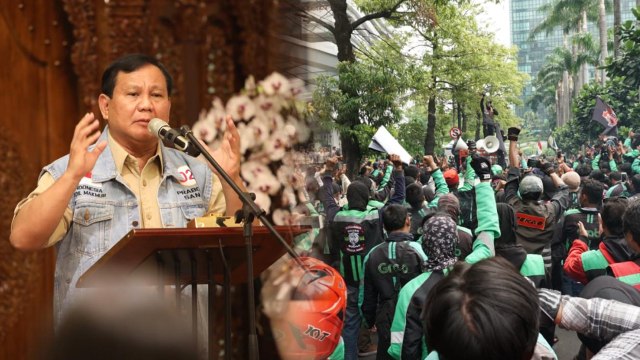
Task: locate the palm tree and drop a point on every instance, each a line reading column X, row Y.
column 602, row 29
column 572, row 16
column 616, row 28
column 560, row 70
column 589, row 54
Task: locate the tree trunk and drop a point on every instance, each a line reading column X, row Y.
column 602, row 27
column 342, row 34
column 351, row 153
column 566, row 80
column 350, row 118
column 559, row 110
column 430, row 138
column 575, row 76
column 464, row 122
column 343, row 30
column 583, row 68
column 616, row 28
column 478, row 125
column 565, row 100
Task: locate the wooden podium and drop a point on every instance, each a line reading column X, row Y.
column 190, row 256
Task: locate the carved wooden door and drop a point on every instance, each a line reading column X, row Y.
column 38, row 103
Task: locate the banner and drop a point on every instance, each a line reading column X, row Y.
column 383, row 141
column 605, row 115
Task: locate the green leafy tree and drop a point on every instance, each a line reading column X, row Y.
column 582, row 130
column 460, row 64
column 347, row 113
column 371, row 89
column 411, row 132
column 627, row 64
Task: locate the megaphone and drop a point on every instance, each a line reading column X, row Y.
column 461, row 145
column 491, row 144
column 480, row 144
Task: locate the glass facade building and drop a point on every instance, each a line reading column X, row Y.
column 525, row 16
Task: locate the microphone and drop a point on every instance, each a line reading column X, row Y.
column 163, row 131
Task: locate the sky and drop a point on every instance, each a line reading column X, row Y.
column 497, row 19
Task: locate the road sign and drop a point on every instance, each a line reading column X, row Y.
column 455, row 133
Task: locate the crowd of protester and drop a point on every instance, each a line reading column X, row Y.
column 472, row 260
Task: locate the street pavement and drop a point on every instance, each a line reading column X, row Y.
column 566, row 348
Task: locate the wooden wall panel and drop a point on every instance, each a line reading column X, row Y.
column 39, row 111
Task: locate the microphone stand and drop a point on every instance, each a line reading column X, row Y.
column 250, row 210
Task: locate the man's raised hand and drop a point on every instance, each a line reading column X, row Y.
column 81, row 159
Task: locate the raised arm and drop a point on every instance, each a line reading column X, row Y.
column 598, row 318
column 488, row 227
column 512, row 135
column 469, row 175
column 50, row 205
column 561, row 198
column 438, row 179
column 399, row 181
column 387, row 175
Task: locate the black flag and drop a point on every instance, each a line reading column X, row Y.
column 605, row 115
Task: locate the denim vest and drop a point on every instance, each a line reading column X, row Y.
column 105, row 209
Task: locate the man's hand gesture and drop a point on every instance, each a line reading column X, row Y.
column 228, row 154
column 81, row 159
column 395, row 159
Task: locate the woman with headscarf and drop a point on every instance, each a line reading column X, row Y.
column 440, row 238
column 450, row 205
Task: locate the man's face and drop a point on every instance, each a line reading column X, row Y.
column 137, row 98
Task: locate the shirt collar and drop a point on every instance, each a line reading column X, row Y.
column 120, row 155
column 399, row 236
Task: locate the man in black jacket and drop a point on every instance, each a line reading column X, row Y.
column 355, row 229
column 387, row 268
column 536, row 219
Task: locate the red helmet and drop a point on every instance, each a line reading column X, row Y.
column 309, row 321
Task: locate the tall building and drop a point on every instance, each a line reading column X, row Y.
column 525, row 16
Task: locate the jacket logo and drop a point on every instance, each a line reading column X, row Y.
column 385, row 268
column 354, row 239
column 531, row 221
column 186, row 176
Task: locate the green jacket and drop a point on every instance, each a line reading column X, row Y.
column 488, row 226
column 441, row 187
column 407, row 337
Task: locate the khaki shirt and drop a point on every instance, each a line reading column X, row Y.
column 144, row 185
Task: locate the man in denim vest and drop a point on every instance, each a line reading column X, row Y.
column 88, row 200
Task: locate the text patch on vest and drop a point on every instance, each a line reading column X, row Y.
column 531, row 221
column 191, row 193
column 87, row 187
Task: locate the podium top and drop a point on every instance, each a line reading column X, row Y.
column 192, row 250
